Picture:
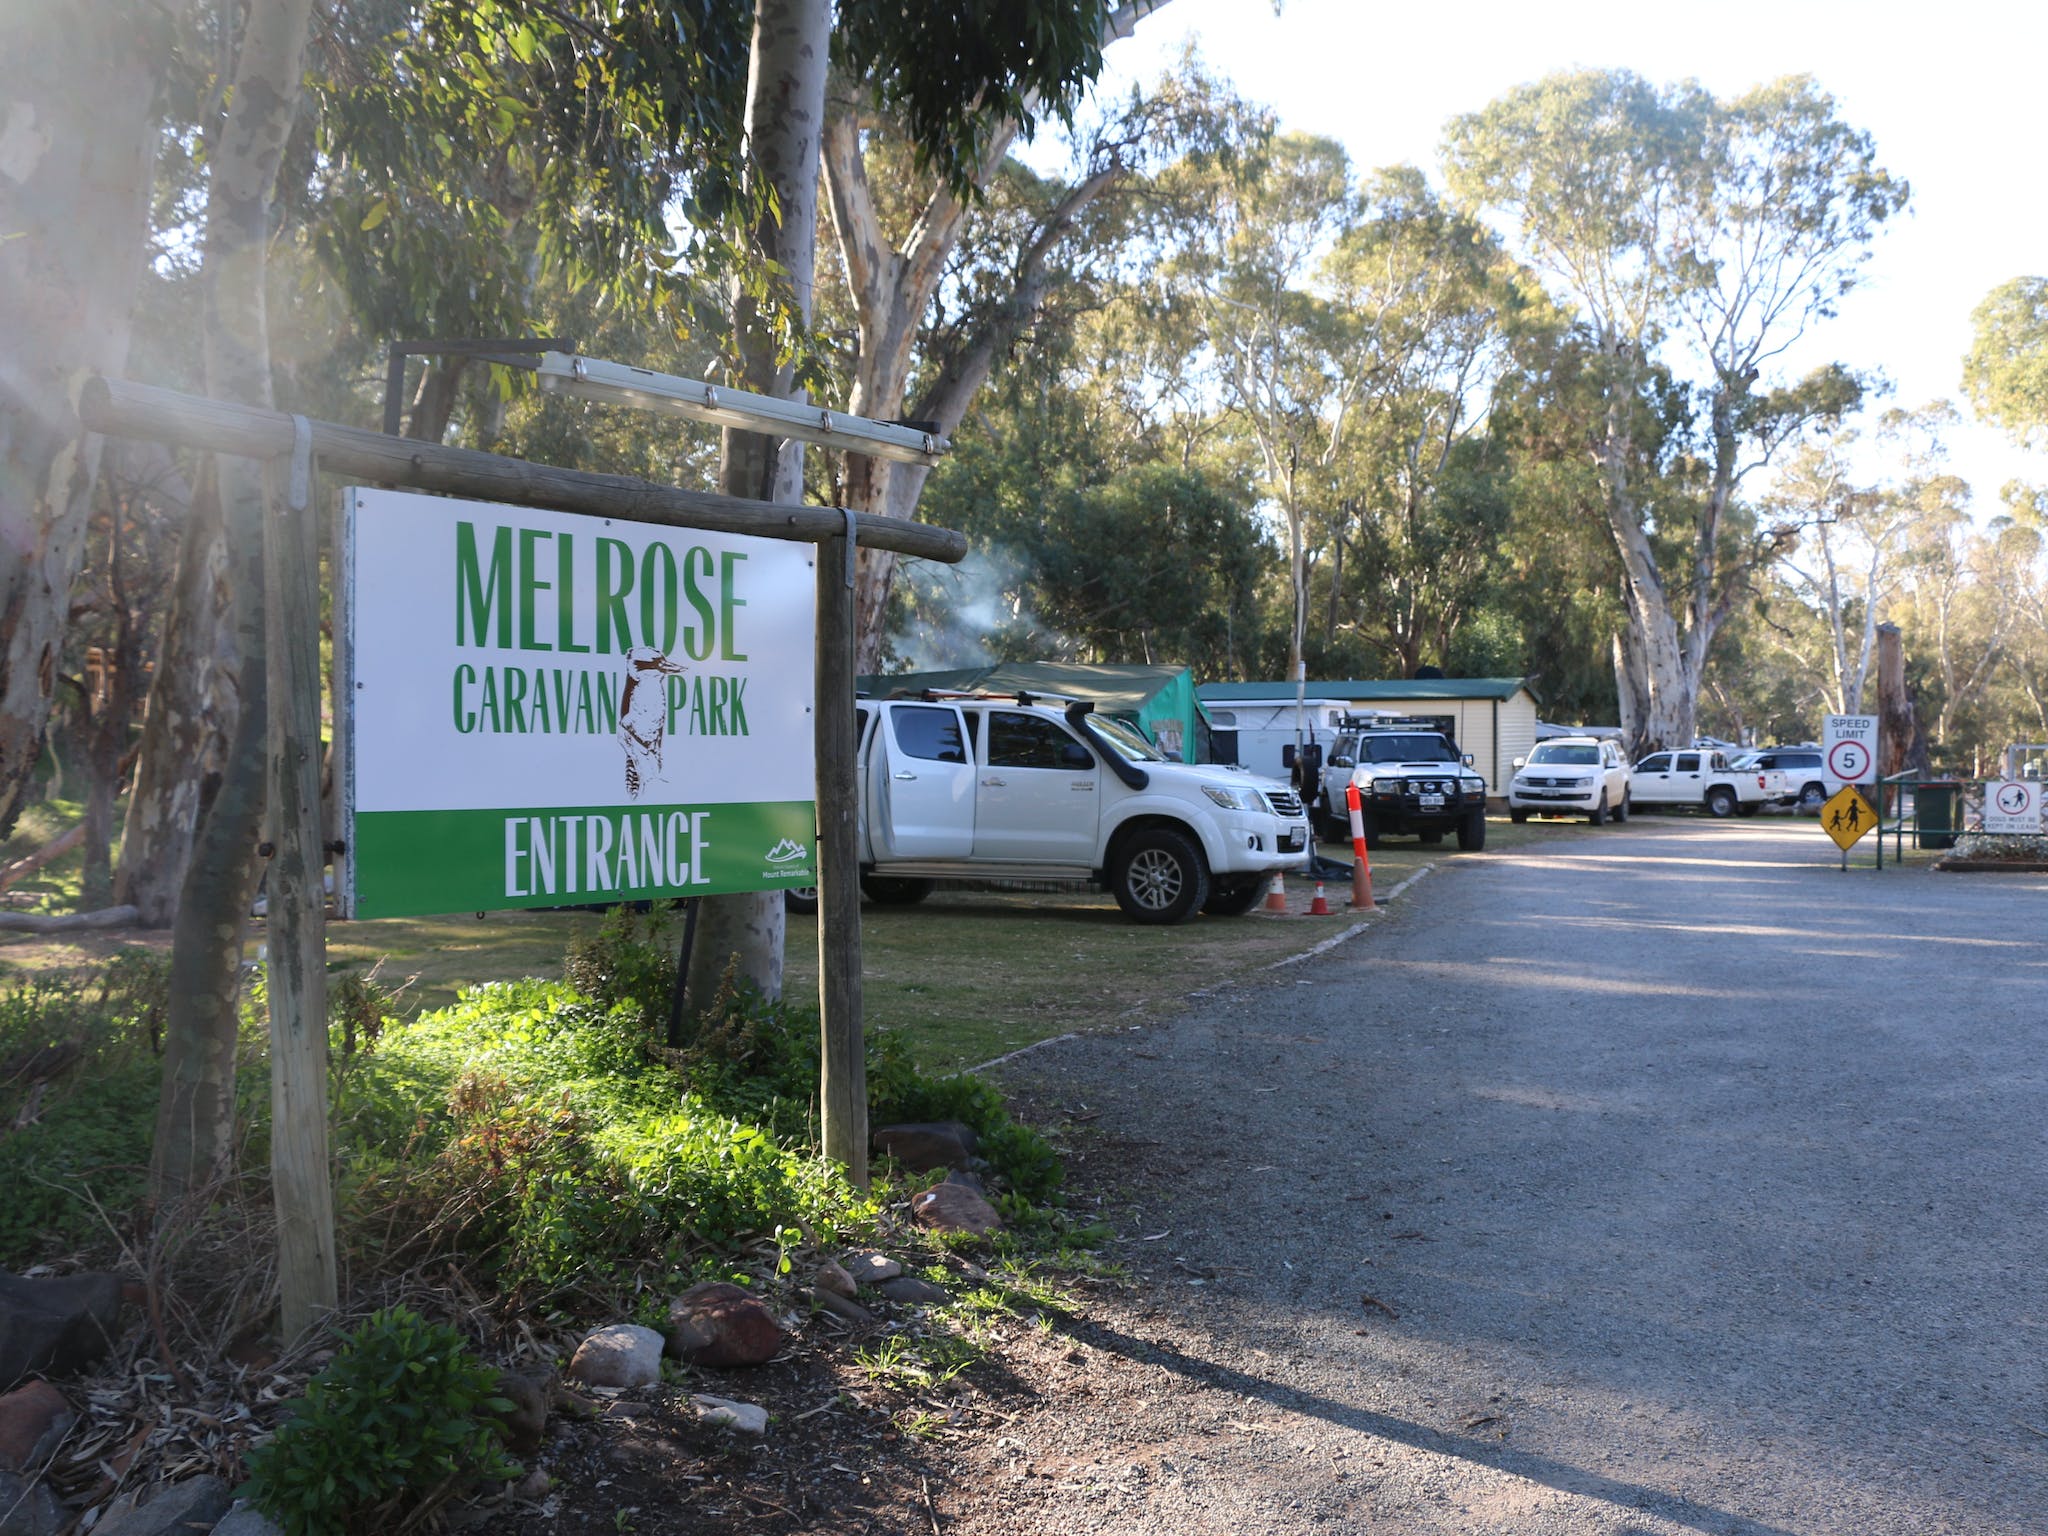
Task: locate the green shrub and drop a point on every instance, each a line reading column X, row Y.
column 79, row 1074
column 396, row 1422
column 528, row 1131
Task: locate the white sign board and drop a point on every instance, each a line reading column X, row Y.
column 550, row 710
column 1849, row 748
column 2012, row 805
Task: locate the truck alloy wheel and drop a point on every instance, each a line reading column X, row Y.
column 1159, row 877
column 1721, row 801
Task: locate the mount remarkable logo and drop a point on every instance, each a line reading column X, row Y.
column 787, row 852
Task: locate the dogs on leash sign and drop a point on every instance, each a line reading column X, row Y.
column 549, row 709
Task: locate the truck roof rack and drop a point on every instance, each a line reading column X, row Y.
column 1375, row 720
column 970, row 695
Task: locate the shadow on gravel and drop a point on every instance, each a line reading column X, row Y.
column 1536, row 1469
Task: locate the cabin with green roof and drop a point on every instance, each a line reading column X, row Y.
column 1493, row 718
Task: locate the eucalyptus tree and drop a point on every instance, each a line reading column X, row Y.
column 1706, row 237
column 1838, row 569
column 195, row 1110
column 2005, row 372
column 949, row 90
column 1421, row 504
column 81, row 85
column 1286, row 357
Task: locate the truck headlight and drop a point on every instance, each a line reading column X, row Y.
column 1234, row 799
column 1386, row 786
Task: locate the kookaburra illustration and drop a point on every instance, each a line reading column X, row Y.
column 643, row 714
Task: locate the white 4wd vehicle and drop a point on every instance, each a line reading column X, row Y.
column 1023, row 787
column 1703, row 778
column 1410, row 777
column 1570, row 776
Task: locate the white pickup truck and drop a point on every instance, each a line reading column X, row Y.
column 1026, row 787
column 1702, row 778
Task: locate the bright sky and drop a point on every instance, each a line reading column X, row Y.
column 1951, row 93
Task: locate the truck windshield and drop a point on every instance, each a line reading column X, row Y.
column 1584, row 756
column 1408, row 749
column 1121, row 739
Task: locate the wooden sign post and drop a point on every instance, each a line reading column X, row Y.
column 300, row 1170
column 843, row 1077
column 298, row 977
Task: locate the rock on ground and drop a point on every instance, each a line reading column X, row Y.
column 955, row 1208
column 33, row 1421
column 622, row 1355
column 834, row 1278
column 871, row 1268
column 908, row 1288
column 29, row 1509
column 524, row 1424
column 60, row 1325
column 244, row 1520
column 722, row 1325
column 176, row 1509
column 921, row 1148
column 747, row 1418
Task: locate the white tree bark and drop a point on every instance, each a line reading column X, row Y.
column 195, row 1112
column 78, row 140
column 893, row 284
column 742, row 935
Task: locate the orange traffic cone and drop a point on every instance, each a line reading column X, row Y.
column 1320, row 907
column 1276, row 894
column 1361, row 863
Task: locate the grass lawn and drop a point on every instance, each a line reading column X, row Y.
column 969, row 974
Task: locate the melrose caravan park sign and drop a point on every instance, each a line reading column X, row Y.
column 549, row 709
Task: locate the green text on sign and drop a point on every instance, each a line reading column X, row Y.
column 418, row 863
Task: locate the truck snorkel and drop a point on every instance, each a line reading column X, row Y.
column 1132, row 775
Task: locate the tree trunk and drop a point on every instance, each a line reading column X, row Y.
column 743, row 934
column 195, row 1113
column 189, row 721
column 78, row 97
column 433, row 404
column 1897, row 724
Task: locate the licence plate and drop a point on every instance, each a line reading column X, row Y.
column 1293, row 842
column 1432, row 802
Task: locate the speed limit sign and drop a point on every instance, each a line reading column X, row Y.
column 1850, row 748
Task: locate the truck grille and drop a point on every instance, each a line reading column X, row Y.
column 1285, row 802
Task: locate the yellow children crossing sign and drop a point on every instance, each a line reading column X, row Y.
column 1847, row 816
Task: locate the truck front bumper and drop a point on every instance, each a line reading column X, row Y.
column 1257, row 845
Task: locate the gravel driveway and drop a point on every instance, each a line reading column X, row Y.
column 1662, row 1180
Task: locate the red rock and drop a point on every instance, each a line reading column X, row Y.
column 955, row 1208
column 921, row 1148
column 33, row 1420
column 832, row 1276
column 722, row 1325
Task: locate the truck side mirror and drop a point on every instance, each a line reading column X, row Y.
column 1465, row 758
column 1521, row 762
